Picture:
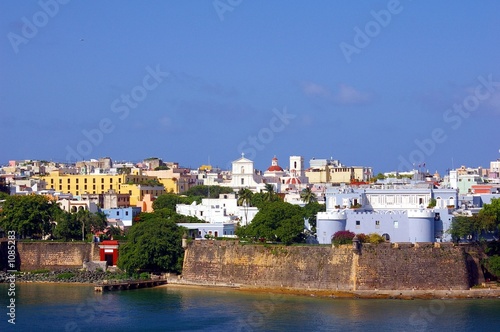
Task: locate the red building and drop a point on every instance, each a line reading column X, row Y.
column 108, row 251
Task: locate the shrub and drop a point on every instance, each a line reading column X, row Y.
column 342, row 237
column 65, row 276
column 40, row 271
column 144, row 275
column 493, row 265
column 363, row 238
column 375, row 238
column 432, row 203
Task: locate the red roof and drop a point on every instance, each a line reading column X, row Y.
column 275, row 169
column 293, row 181
column 109, row 242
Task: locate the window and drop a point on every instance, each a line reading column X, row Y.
column 102, row 180
column 85, row 180
column 93, row 180
column 242, row 181
column 126, row 213
column 117, row 213
column 377, row 223
column 358, row 224
column 69, row 181
column 76, row 180
column 396, row 224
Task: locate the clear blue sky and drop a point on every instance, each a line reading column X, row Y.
column 364, row 98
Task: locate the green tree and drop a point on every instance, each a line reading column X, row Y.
column 311, row 210
column 75, row 226
column 152, row 245
column 493, row 265
column 269, row 194
column 276, row 221
column 4, row 189
column 492, row 210
column 68, row 227
column 244, row 199
column 28, row 216
column 307, row 196
column 204, row 191
column 169, row 201
column 167, row 214
column 471, row 228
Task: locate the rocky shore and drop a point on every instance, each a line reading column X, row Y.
column 65, row 275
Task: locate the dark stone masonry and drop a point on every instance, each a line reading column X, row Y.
column 384, row 267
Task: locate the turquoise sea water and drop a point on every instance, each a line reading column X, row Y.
column 56, row 307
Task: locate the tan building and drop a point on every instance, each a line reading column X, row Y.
column 332, row 171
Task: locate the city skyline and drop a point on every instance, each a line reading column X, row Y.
column 384, row 84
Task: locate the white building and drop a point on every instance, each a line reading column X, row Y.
column 244, row 175
column 400, row 213
column 219, row 210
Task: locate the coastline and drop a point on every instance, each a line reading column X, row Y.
column 429, row 294
column 424, row 294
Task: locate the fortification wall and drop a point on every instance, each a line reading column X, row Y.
column 54, row 255
column 383, row 266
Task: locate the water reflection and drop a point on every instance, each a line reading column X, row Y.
column 78, row 308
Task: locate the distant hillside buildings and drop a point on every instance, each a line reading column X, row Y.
column 397, row 208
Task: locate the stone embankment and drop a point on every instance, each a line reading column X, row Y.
column 65, row 275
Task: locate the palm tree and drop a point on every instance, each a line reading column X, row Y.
column 244, row 199
column 307, row 196
column 269, row 195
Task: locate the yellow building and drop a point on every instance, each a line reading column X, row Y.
column 133, row 184
column 138, row 191
column 174, row 180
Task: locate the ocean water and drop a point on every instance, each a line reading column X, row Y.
column 57, row 307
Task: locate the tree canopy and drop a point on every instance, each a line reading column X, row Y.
column 311, row 210
column 154, row 245
column 169, row 201
column 276, row 221
column 307, row 196
column 471, row 228
column 28, row 216
column 166, row 214
column 70, row 225
column 203, row 191
column 492, row 210
column 37, row 216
